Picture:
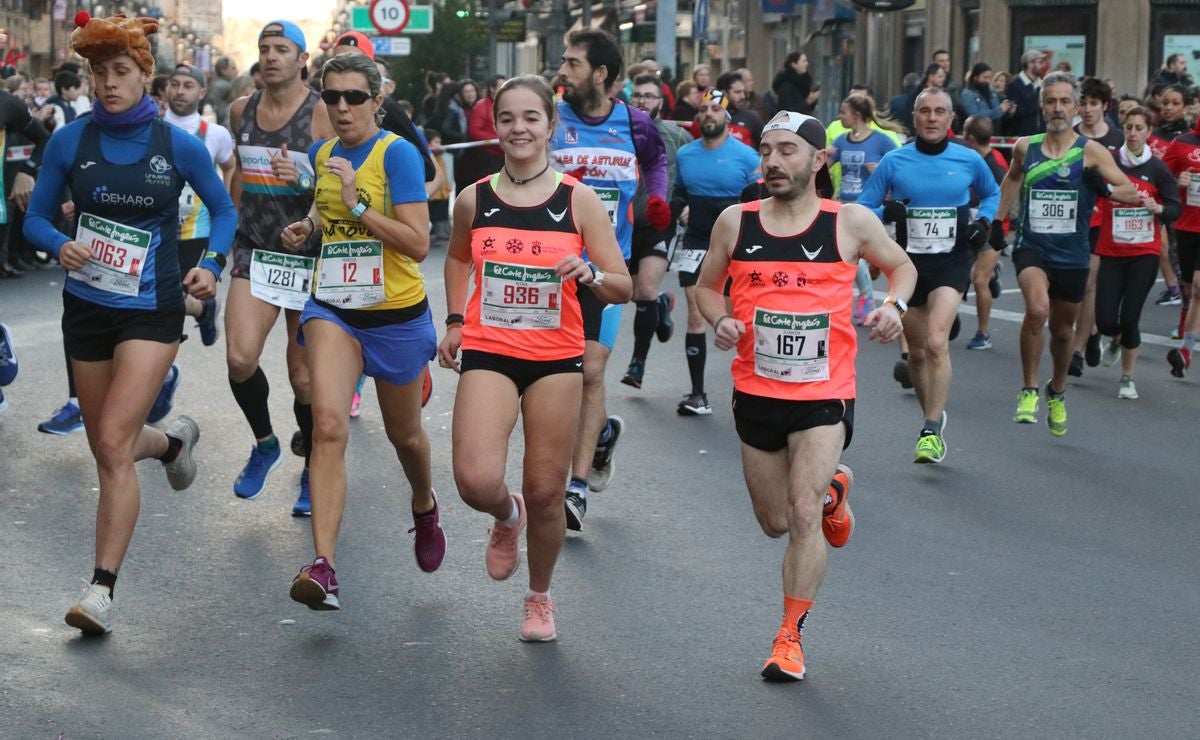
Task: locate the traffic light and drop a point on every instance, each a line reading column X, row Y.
column 460, row 13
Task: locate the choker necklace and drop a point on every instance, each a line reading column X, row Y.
column 522, row 181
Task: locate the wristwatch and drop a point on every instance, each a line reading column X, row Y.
column 597, row 275
column 358, row 210
column 901, row 306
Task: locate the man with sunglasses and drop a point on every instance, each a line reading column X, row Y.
column 651, row 250
column 273, row 129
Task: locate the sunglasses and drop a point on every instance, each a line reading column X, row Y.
column 353, row 97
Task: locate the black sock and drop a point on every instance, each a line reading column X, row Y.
column 174, row 445
column 645, row 321
column 694, row 345
column 251, row 395
column 303, row 412
column 104, row 578
column 904, row 356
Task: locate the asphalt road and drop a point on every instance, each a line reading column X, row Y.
column 1029, row 587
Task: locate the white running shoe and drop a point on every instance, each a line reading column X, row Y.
column 93, row 614
column 1110, row 351
column 182, row 471
column 1128, row 391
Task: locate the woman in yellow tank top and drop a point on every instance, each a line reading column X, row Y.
column 367, row 312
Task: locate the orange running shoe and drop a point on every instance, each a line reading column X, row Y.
column 838, row 520
column 538, row 625
column 787, row 657
column 503, row 552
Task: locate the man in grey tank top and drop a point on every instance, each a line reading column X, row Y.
column 273, row 130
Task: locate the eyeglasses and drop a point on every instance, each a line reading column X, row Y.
column 645, row 96
column 353, row 97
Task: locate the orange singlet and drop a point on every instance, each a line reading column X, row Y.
column 520, row 307
column 794, row 295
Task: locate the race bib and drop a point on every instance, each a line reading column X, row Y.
column 1053, row 211
column 611, row 197
column 688, row 260
column 791, row 347
column 1132, row 225
column 931, row 230
column 118, row 255
column 281, row 279
column 350, row 274
column 520, row 296
column 1193, row 190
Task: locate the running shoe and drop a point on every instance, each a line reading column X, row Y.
column 634, row 374
column 1092, row 351
column 694, row 404
column 297, row 445
column 430, row 542
column 502, row 556
column 1127, row 391
column 253, row 478
column 303, row 505
column 316, row 586
column 538, row 625
column 8, row 357
column 900, row 374
column 837, row 520
column 356, row 402
column 980, row 341
column 601, row 472
column 1110, row 352
column 93, row 614
column 1027, row 407
column 426, row 387
column 1180, row 359
column 182, row 470
column 1169, row 298
column 931, row 448
column 955, row 328
column 206, row 322
column 666, row 327
column 166, row 397
column 994, row 286
column 576, row 505
column 1075, row 369
column 787, row 657
column 1056, row 412
column 862, row 307
column 66, row 420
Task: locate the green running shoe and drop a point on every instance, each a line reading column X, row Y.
column 1027, row 407
column 1056, row 412
column 930, row 448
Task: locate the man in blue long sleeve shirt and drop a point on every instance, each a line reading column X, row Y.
column 924, row 188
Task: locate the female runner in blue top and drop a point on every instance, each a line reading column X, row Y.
column 122, row 304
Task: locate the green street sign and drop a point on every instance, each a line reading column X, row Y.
column 420, row 19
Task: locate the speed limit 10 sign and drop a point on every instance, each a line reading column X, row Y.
column 389, row 16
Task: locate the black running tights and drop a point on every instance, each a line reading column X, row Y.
column 1122, row 284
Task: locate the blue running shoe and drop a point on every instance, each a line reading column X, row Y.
column 166, row 397
column 253, row 477
column 207, row 323
column 303, row 505
column 8, row 357
column 66, row 420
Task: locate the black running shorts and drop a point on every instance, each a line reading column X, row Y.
column 952, row 272
column 523, row 373
column 1066, row 283
column 765, row 423
column 91, row 332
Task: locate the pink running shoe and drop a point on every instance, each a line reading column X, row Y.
column 430, row 543
column 862, row 307
column 538, row 625
column 502, row 555
column 316, row 586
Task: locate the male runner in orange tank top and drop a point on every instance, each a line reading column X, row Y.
column 792, row 259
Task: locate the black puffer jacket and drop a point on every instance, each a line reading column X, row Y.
column 792, row 89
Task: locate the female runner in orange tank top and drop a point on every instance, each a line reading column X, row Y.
column 523, row 233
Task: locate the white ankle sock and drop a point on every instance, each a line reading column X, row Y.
column 512, row 519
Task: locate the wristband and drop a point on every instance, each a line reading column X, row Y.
column 454, row 318
column 717, row 325
column 312, row 226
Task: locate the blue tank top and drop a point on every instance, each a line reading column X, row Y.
column 602, row 155
column 141, row 197
column 1056, row 206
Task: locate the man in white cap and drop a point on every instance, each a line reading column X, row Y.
column 791, row 260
